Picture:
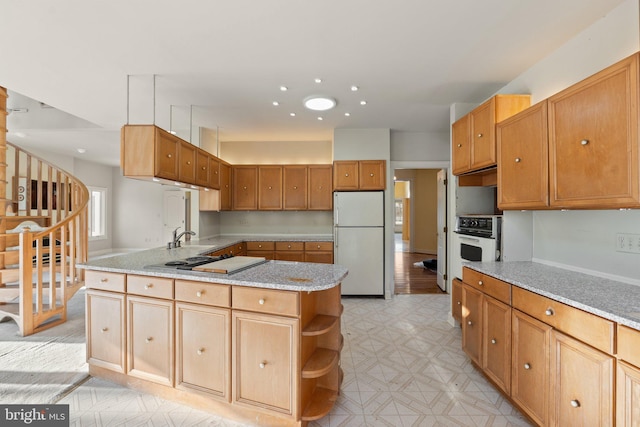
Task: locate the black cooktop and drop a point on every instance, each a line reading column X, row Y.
column 188, row 263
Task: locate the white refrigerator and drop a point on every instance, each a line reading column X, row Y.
column 358, row 240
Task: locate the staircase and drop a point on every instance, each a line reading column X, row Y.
column 43, row 236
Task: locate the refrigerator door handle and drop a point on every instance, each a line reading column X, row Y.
column 335, row 237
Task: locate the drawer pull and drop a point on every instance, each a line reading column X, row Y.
column 261, row 301
column 549, row 312
column 262, row 365
column 295, row 187
column 169, row 155
column 318, row 247
column 518, row 159
column 575, row 403
column 370, row 174
column 480, row 282
column 188, row 162
column 288, row 246
column 200, row 351
column 493, row 341
column 148, row 286
column 148, row 340
column 459, row 303
column 104, row 280
column 584, row 142
column 199, row 293
column 479, row 135
column 469, row 323
column 527, row 366
column 105, row 329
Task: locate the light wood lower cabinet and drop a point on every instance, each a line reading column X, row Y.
column 471, row 323
column 582, row 384
column 496, row 342
column 106, row 330
column 150, row 339
column 627, row 395
column 203, row 349
column 456, row 300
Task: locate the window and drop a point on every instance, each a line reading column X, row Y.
column 97, row 213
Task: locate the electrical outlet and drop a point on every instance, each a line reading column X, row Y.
column 628, row 243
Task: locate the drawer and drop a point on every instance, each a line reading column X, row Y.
column 106, row 281
column 587, row 327
column 265, row 300
column 149, row 286
column 239, row 249
column 491, row 286
column 289, row 246
column 203, row 293
column 629, row 345
column 261, row 246
column 318, row 246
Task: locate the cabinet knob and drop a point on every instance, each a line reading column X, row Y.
column 269, row 187
column 479, row 135
column 549, row 312
column 480, row 282
column 469, row 323
column 346, row 174
column 148, row 340
column 199, row 293
column 262, row 365
column 200, row 351
column 204, row 168
column 459, row 145
column 215, row 172
column 584, row 142
column 261, row 301
column 148, row 286
column 459, row 303
column 518, row 159
column 318, row 247
column 105, row 329
column 104, row 280
column 527, row 366
column 188, row 162
column 244, row 188
column 575, row 403
column 169, row 155
column 493, row 341
column 260, row 246
column 370, row 174
column 288, row 246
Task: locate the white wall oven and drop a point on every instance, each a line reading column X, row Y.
column 476, row 238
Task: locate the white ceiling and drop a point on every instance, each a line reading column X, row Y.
column 224, row 61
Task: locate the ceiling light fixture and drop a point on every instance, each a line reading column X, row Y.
column 347, row 114
column 318, row 80
column 320, row 118
column 275, row 103
column 284, row 88
column 354, row 88
column 292, row 114
column 319, row 103
column 363, row 102
column 81, row 150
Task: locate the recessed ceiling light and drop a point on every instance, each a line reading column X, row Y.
column 347, row 114
column 275, row 103
column 284, row 88
column 320, row 118
column 319, row 103
column 363, row 102
column 354, row 88
column 292, row 114
column 318, row 80
column 81, row 150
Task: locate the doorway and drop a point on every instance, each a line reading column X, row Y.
column 420, row 237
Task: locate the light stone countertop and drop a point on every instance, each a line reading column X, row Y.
column 613, row 300
column 284, row 275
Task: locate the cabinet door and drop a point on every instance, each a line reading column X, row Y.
column 345, row 175
column 203, row 349
column 187, row 165
column 582, row 384
column 202, row 168
column 214, row 172
column 106, row 330
column 166, row 155
column 245, row 188
column 628, row 396
column 372, row 174
column 461, row 140
column 530, row 366
column 472, row 323
column 482, row 123
column 496, row 345
column 270, row 187
column 593, row 140
column 295, row 187
column 150, row 339
column 265, row 371
column 320, row 189
column 225, row 187
column 523, row 164
column 456, row 300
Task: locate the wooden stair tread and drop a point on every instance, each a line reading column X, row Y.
column 321, row 403
column 320, row 325
column 321, row 362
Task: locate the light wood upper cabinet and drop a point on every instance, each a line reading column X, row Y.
column 187, row 162
column 245, row 188
column 214, row 172
column 359, row 175
column 531, row 340
column 320, row 191
column 593, row 140
column 295, row 187
column 202, row 169
column 582, row 384
column 225, row 186
column 479, row 126
column 106, row 330
column 523, row 164
column 270, row 187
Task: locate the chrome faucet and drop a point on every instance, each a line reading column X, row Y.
column 176, row 238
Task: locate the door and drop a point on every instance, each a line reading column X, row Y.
column 361, row 250
column 174, row 216
column 358, row 209
column 442, row 229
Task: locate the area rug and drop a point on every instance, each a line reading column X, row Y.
column 43, row 367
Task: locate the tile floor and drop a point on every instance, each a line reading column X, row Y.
column 403, row 366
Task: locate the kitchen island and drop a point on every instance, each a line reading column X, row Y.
column 261, row 345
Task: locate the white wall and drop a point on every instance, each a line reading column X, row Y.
column 412, row 146
column 580, row 240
